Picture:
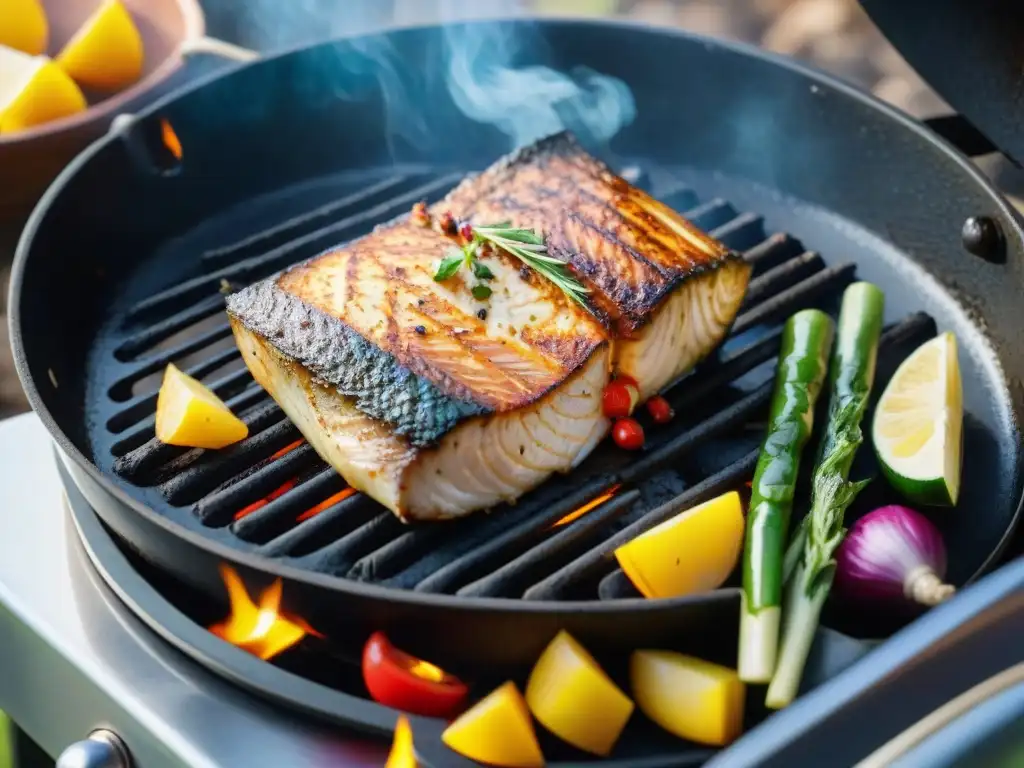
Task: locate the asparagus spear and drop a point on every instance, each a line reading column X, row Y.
column 803, row 363
column 852, row 374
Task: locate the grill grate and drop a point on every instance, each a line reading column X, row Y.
column 296, row 507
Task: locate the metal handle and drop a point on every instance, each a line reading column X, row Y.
column 902, row 744
column 961, row 133
column 100, row 749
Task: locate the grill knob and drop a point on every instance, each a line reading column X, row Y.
column 101, row 749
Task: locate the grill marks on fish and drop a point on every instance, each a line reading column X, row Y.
column 628, row 248
column 382, row 286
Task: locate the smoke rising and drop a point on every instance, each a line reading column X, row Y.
column 529, row 102
column 478, row 69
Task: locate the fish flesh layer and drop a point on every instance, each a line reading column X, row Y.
column 436, row 403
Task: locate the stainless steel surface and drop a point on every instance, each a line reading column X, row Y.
column 102, row 749
column 75, row 660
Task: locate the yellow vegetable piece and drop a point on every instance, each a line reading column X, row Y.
column 189, row 414
column 402, row 754
column 694, row 551
column 106, row 53
column 573, row 698
column 688, row 697
column 23, row 26
column 34, row 90
column 497, row 730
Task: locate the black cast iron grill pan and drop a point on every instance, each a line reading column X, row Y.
column 122, row 266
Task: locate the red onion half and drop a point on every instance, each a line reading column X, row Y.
column 893, row 554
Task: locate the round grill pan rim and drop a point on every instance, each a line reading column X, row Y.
column 275, row 568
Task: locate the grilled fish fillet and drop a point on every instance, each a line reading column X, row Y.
column 437, row 404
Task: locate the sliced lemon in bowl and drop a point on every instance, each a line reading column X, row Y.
column 33, row 91
column 918, row 424
column 23, row 26
column 106, row 53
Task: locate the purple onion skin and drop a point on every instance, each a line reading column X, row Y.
column 881, row 549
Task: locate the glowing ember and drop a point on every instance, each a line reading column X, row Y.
column 592, row 504
column 287, row 486
column 402, row 755
column 259, row 629
column 170, row 138
column 330, row 501
column 286, row 449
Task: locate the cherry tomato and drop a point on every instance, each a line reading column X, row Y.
column 619, row 399
column 396, row 679
column 660, row 410
column 627, row 379
column 466, row 231
column 628, row 434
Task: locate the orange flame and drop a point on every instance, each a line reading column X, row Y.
column 402, row 754
column 259, row 629
column 285, row 487
column 592, row 504
column 170, row 138
column 330, row 501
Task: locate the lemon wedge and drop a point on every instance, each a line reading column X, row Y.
column 23, row 26
column 188, row 414
column 106, row 53
column 34, row 90
column 695, row 551
column 918, row 424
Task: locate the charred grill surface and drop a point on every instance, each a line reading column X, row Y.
column 439, row 402
column 516, row 551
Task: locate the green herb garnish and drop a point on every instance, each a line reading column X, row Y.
column 449, row 264
column 525, row 244
column 481, row 270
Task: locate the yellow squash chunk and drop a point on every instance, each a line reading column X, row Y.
column 688, row 697
column 403, row 754
column 573, row 698
column 497, row 730
column 34, row 90
column 106, row 53
column 695, row 551
column 189, row 414
column 23, row 26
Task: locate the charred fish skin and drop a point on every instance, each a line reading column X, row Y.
column 337, row 356
column 484, row 461
column 382, row 289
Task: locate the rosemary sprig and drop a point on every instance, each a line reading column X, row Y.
column 525, row 244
